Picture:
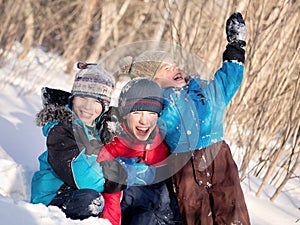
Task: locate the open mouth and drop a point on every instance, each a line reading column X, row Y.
column 142, row 130
column 178, row 77
column 86, row 114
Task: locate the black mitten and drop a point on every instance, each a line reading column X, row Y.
column 110, row 125
column 236, row 30
column 115, row 176
column 236, row 37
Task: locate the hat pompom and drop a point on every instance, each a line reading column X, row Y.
column 125, row 64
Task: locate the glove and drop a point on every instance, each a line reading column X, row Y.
column 138, row 173
column 109, row 125
column 123, row 173
column 236, row 30
column 236, row 37
column 115, row 176
column 145, row 174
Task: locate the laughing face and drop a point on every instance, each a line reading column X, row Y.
column 141, row 123
column 87, row 109
column 169, row 75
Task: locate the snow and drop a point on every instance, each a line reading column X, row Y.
column 21, row 142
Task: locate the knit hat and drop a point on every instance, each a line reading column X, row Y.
column 140, row 94
column 93, row 81
column 148, row 62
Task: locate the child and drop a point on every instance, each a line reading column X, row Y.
column 207, row 185
column 69, row 176
column 140, row 104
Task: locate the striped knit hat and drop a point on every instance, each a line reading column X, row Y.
column 141, row 94
column 93, row 81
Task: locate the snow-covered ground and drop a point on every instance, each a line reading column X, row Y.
column 21, row 142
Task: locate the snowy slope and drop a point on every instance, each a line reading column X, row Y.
column 21, row 142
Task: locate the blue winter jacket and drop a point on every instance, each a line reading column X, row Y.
column 193, row 115
column 65, row 162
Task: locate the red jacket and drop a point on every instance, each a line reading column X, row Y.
column 151, row 152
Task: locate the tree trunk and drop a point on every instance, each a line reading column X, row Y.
column 29, row 34
column 109, row 22
column 80, row 35
column 290, row 173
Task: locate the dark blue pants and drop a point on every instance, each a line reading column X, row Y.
column 79, row 204
column 151, row 205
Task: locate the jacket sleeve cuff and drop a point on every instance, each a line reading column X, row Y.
column 234, row 52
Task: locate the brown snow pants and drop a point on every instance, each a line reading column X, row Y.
column 208, row 188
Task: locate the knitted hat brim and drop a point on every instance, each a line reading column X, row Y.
column 145, row 104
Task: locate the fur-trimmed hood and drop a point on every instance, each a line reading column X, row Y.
column 53, row 113
column 54, row 107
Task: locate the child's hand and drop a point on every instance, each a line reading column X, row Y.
column 236, row 37
column 110, row 125
column 236, row 30
column 137, row 173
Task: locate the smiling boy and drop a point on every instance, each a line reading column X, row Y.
column 140, row 104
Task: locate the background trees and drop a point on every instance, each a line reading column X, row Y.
column 263, row 119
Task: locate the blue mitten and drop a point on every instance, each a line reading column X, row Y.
column 137, row 173
column 128, row 166
column 145, row 174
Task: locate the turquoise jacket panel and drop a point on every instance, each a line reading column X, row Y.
column 45, row 182
column 87, row 172
column 193, row 115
